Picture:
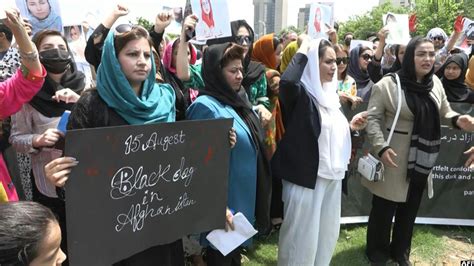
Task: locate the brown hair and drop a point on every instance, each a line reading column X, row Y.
column 136, row 33
column 234, row 51
column 338, row 48
column 41, row 35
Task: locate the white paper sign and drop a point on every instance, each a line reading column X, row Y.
column 41, row 14
column 320, row 20
column 398, row 26
column 213, row 19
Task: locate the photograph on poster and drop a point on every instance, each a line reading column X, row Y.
column 42, row 14
column 399, row 31
column 320, row 20
column 213, row 18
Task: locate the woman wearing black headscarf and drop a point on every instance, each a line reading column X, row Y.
column 360, row 58
column 453, row 75
column 412, row 152
column 254, row 80
column 223, row 96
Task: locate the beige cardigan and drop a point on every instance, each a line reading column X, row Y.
column 382, row 109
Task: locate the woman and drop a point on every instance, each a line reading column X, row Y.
column 359, row 59
column 254, row 81
column 126, row 95
column 224, row 97
column 18, row 89
column 346, row 85
column 412, row 153
column 288, row 54
column 42, row 16
column 309, row 159
column 453, row 75
column 267, row 50
column 183, row 98
column 29, row 235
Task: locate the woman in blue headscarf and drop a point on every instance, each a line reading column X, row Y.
column 126, row 95
column 42, row 16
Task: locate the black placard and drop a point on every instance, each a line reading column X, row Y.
column 140, row 186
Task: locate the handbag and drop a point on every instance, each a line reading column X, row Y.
column 370, row 167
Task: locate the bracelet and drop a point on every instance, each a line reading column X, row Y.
column 30, row 56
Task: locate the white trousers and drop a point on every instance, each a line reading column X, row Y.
column 310, row 229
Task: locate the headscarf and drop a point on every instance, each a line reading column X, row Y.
column 168, row 55
column 155, row 103
column 338, row 147
column 72, row 79
column 253, row 71
column 456, row 89
column 288, row 54
column 264, row 52
column 216, row 86
column 434, row 32
column 397, row 64
column 362, row 78
column 207, row 18
column 426, row 133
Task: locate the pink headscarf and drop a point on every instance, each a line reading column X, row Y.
column 168, row 56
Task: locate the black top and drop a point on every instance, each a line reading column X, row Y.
column 297, row 156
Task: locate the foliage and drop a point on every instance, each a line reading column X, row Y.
column 363, row 25
column 468, row 8
column 436, row 13
column 288, row 29
column 144, row 22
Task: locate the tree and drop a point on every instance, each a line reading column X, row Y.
column 144, row 23
column 436, row 13
column 288, row 29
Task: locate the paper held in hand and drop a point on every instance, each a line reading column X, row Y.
column 226, row 242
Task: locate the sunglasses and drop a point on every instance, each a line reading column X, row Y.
column 438, row 38
column 366, row 57
column 124, row 28
column 343, row 60
column 242, row 39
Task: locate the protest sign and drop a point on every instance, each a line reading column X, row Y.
column 213, row 18
column 398, row 26
column 320, row 20
column 41, row 14
column 140, row 186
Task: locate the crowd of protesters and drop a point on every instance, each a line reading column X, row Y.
column 291, row 144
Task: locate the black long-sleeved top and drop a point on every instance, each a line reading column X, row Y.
column 297, row 156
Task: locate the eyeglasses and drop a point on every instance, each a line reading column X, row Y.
column 366, row 57
column 343, row 60
column 438, row 38
column 242, row 39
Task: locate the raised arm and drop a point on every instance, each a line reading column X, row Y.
column 182, row 63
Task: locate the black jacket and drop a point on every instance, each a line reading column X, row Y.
column 297, row 157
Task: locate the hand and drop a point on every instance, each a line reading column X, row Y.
column 412, row 23
column 388, row 158
column 332, row 34
column 120, row 11
column 162, row 21
column 264, row 114
column 47, row 139
column 383, row 33
column 28, row 26
column 13, row 20
column 470, row 161
column 458, row 24
column 303, row 38
column 229, row 224
column 359, row 121
column 355, row 101
column 189, row 25
column 466, row 123
column 232, row 137
column 66, row 95
column 57, row 171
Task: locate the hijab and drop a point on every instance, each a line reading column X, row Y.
column 156, row 102
column 168, row 55
column 288, row 54
column 337, row 147
column 52, row 21
column 456, row 89
column 362, row 78
column 43, row 101
column 264, row 52
column 426, row 132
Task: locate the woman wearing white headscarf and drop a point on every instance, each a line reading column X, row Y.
column 313, row 156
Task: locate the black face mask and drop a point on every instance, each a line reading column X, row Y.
column 55, row 61
column 347, row 42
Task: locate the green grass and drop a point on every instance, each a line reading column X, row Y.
column 430, row 245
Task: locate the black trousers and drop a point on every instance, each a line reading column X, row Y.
column 215, row 258
column 379, row 248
